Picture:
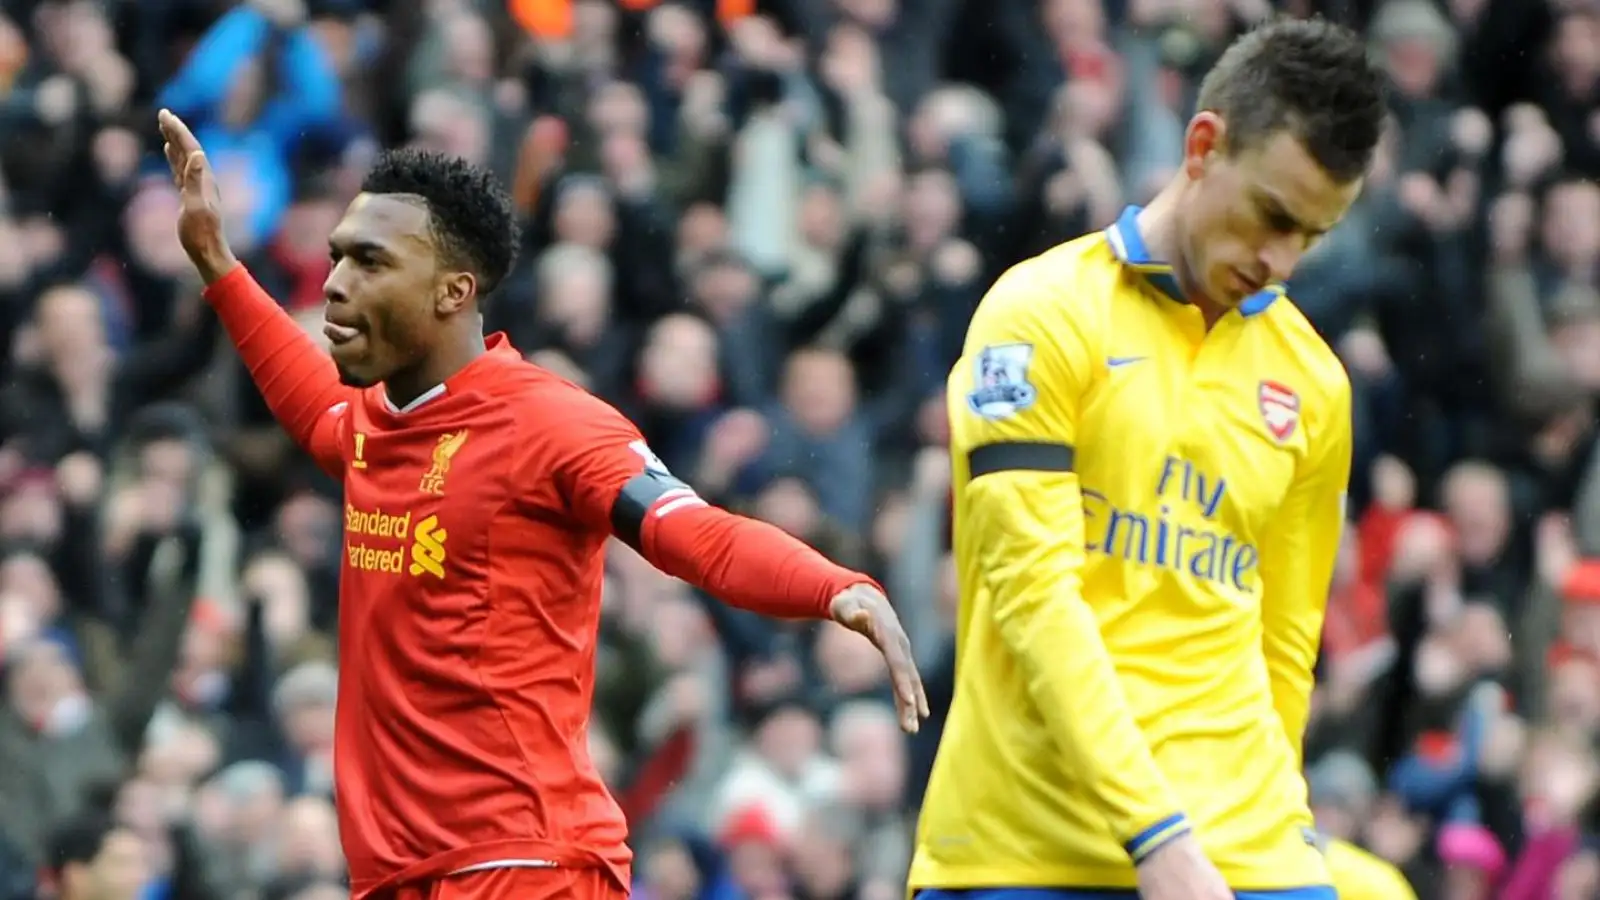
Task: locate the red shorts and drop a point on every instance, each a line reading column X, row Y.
column 515, row 883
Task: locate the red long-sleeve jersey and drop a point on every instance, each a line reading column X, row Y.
column 475, row 523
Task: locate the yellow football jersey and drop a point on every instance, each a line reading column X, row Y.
column 1146, row 518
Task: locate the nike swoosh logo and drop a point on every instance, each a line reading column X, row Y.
column 1118, row 361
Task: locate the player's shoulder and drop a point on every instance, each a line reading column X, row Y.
column 548, row 400
column 1314, row 364
column 1071, row 285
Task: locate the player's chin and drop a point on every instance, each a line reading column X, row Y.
column 353, row 372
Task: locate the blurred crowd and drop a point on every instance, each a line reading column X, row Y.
column 760, row 228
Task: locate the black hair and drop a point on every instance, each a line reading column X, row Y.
column 1309, row 76
column 470, row 213
column 78, row 840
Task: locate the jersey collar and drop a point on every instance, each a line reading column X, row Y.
column 1128, row 244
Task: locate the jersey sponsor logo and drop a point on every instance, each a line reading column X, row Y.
column 1182, row 536
column 1280, row 409
column 449, row 445
column 373, row 538
column 427, row 548
column 1001, row 387
column 378, row 540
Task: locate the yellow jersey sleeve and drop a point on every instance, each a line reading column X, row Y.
column 1015, row 398
column 1297, row 560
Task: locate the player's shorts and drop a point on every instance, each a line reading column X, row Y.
column 1016, row 893
column 516, row 883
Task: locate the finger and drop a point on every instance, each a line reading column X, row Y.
column 194, row 173
column 907, row 682
column 178, row 134
column 175, row 163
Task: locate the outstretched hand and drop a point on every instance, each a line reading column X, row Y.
column 200, row 227
column 864, row 609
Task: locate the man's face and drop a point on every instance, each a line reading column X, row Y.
column 1253, row 214
column 385, row 290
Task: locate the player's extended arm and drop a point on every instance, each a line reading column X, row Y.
column 1297, row 561
column 297, row 379
column 1023, row 518
column 614, row 481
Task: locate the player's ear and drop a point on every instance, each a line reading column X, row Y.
column 1203, row 139
column 456, row 291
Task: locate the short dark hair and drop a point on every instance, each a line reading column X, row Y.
column 78, row 840
column 471, row 215
column 1309, row 76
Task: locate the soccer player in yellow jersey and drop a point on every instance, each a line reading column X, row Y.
column 1151, row 447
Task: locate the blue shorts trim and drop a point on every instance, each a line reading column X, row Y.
column 1320, row 892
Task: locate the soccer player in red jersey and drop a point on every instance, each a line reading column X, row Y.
column 479, row 491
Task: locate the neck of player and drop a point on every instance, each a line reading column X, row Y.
column 1160, row 225
column 455, row 351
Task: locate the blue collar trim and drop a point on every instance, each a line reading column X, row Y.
column 1128, row 244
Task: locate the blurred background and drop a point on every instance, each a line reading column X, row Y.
column 760, row 228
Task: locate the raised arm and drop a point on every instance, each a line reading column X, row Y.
column 297, row 379
column 1014, row 401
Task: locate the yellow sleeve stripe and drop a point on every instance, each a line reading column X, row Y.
column 1020, row 456
column 1156, row 836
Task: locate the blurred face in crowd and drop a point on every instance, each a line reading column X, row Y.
column 147, row 222
column 790, row 505
column 820, row 391
column 822, row 218
column 702, row 230
column 869, row 745
column 31, row 512
column 445, row 122
column 308, row 838
column 118, row 871
column 619, row 108
column 823, row 860
column 1478, row 502
column 70, row 323
column 1570, row 232
column 584, row 215
column 789, row 739
column 932, row 209
column 670, row 872
column 678, row 368
column 577, row 298
column 1574, row 700
column 1250, row 214
column 41, row 675
column 725, row 289
column 28, row 577
column 469, row 48
column 1577, row 51
column 389, row 288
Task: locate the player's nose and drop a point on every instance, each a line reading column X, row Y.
column 1279, row 257
column 334, row 290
